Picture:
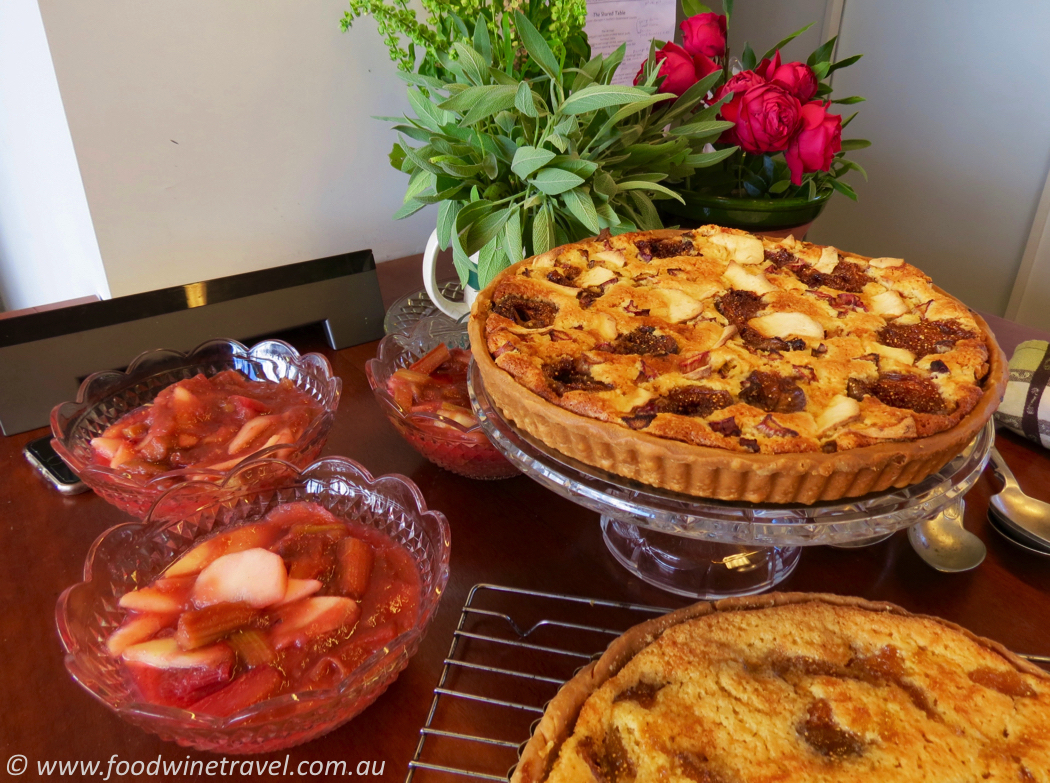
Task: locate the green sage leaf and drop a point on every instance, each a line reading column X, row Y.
column 528, row 160
column 537, row 46
column 582, row 208
column 542, row 231
column 512, row 245
column 555, row 181
column 410, row 208
column 600, row 96
column 653, row 186
column 524, row 102
column 446, row 221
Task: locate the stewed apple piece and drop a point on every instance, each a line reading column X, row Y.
column 787, row 325
column 254, row 576
column 164, row 596
column 138, row 628
column 248, row 537
column 311, row 618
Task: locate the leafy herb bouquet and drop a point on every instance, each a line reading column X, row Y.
column 526, row 145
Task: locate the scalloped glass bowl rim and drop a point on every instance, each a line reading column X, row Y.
column 375, row 369
column 359, row 676
column 83, row 404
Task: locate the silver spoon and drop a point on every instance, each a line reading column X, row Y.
column 1028, row 517
column 945, row 544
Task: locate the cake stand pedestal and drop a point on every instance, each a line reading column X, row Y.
column 709, row 549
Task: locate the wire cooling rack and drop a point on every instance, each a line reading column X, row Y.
column 510, row 653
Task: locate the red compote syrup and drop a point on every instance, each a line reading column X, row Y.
column 205, row 423
column 293, row 602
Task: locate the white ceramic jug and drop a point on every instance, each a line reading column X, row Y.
column 454, row 310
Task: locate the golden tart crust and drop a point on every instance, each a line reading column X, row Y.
column 718, row 364
column 796, row 687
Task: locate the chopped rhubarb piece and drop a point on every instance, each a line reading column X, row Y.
column 252, row 647
column 309, row 558
column 437, row 357
column 164, row 596
column 255, row 576
column 402, row 393
column 248, row 689
column 364, row 642
column 166, row 675
column 299, row 588
column 355, row 559
column 410, row 377
column 312, row 617
column 205, row 553
column 136, row 629
column 333, row 531
column 200, row 627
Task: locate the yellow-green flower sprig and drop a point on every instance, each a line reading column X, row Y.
column 395, row 21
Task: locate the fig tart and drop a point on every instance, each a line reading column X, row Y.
column 719, row 364
column 796, row 687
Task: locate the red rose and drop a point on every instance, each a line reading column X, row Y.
column 766, row 68
column 677, row 68
column 797, row 78
column 737, row 85
column 705, row 34
column 818, row 139
column 766, row 118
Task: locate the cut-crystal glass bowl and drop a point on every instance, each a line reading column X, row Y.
column 463, row 450
column 129, row 556
column 104, row 397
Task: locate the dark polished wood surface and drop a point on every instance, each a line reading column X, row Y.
column 509, row 532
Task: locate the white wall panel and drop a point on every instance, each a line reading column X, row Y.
column 220, row 137
column 48, row 251
column 958, row 113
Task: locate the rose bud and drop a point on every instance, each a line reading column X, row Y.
column 705, row 34
column 817, row 141
column 766, row 118
column 797, row 78
column 677, row 68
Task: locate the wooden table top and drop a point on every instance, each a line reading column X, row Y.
column 510, row 532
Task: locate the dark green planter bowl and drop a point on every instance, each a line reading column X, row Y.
column 750, row 214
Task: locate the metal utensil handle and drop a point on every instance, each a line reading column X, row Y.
column 1000, row 467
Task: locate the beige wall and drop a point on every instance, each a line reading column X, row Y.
column 220, row 137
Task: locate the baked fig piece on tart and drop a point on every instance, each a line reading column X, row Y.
column 796, row 687
column 724, row 365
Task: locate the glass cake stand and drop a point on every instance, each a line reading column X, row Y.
column 704, row 548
